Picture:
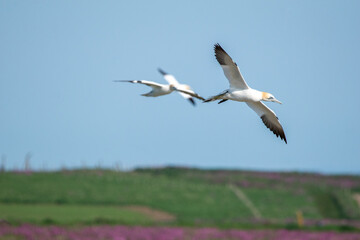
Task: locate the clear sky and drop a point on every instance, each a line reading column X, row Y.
column 58, row 101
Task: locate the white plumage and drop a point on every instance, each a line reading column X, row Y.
column 240, row 91
column 164, row 89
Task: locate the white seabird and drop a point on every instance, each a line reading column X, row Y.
column 164, row 89
column 241, row 92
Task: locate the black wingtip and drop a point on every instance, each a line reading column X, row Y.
column 162, row 71
column 279, row 132
column 220, row 54
column 283, row 137
column 191, row 100
column 218, row 47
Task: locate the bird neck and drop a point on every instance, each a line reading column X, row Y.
column 264, row 95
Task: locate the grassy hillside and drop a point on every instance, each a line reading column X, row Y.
column 193, row 196
column 70, row 214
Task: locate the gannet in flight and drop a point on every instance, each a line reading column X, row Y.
column 240, row 91
column 164, row 89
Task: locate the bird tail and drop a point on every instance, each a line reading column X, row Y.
column 149, row 94
column 217, row 97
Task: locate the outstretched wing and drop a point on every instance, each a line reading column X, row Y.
column 151, row 84
column 188, row 93
column 230, row 68
column 269, row 118
column 180, row 88
column 168, row 77
column 187, row 97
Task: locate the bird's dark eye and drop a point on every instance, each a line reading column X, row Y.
column 271, row 98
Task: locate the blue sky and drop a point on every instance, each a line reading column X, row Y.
column 58, row 101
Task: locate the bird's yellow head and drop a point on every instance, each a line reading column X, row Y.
column 269, row 97
column 186, row 87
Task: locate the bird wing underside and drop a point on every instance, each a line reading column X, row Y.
column 230, row 68
column 269, row 118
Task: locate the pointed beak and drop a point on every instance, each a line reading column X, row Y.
column 275, row 100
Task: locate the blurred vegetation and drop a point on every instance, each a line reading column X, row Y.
column 195, row 197
column 328, row 204
column 70, row 214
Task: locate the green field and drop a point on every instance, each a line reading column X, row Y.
column 188, row 200
column 194, row 197
column 70, row 214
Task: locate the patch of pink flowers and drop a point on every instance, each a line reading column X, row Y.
column 32, row 232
